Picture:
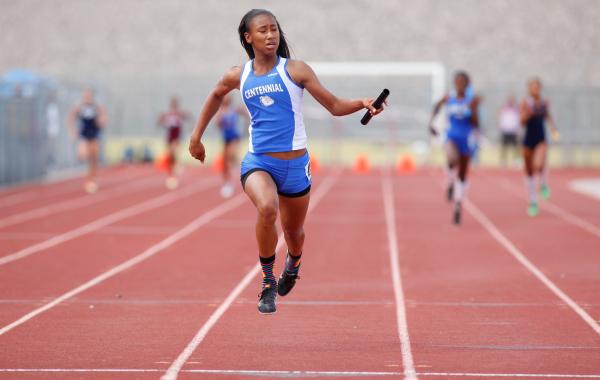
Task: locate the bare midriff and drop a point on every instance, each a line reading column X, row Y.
column 287, row 155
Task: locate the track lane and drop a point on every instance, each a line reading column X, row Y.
column 68, row 226
column 56, row 208
column 120, row 326
column 472, row 307
column 342, row 314
column 36, row 195
column 51, row 271
column 562, row 196
column 161, row 298
column 568, row 254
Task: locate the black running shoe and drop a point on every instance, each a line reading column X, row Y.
column 457, row 214
column 286, row 282
column 266, row 301
column 450, row 193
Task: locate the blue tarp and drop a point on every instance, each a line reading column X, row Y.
column 24, row 80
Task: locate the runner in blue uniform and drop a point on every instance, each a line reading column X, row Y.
column 275, row 173
column 462, row 107
column 228, row 119
column 87, row 120
column 535, row 112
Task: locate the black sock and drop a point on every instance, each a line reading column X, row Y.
column 267, row 269
column 292, row 263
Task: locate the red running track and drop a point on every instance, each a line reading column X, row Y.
column 389, row 287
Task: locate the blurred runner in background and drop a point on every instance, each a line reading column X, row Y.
column 172, row 120
column 228, row 119
column 87, row 119
column 508, row 123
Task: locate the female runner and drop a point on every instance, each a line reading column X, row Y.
column 172, row 120
column 275, row 173
column 227, row 120
column 462, row 107
column 535, row 112
column 90, row 119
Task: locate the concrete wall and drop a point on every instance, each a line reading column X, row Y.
column 497, row 40
column 142, row 51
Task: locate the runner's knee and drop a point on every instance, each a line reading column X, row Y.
column 267, row 212
column 293, row 234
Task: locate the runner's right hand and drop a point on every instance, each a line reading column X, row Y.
column 196, row 149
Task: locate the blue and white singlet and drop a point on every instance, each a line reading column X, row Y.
column 461, row 125
column 274, row 102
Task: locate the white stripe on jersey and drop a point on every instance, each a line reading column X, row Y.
column 245, row 73
column 299, row 141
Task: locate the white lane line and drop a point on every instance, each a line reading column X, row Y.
column 556, row 210
column 303, row 373
column 390, row 218
column 242, row 301
column 138, row 230
column 151, row 251
column 517, row 254
column 61, row 188
column 484, row 304
column 12, row 199
column 589, row 187
column 82, row 370
column 25, row 235
column 510, row 375
column 108, row 230
column 76, row 203
column 162, row 302
column 573, row 219
column 106, row 220
column 179, row 362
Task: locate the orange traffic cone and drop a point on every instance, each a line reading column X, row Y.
column 218, row 164
column 406, row 164
column 361, row 165
column 314, row 164
column 162, row 162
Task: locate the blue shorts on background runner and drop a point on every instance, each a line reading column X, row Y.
column 465, row 143
column 460, row 132
column 230, row 135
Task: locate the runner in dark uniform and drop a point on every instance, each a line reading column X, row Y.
column 172, row 121
column 535, row 111
column 90, row 119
